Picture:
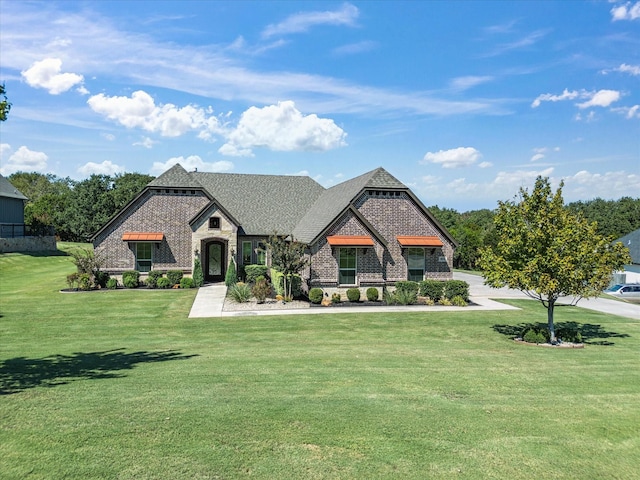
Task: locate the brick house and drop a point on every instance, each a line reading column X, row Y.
column 370, row 231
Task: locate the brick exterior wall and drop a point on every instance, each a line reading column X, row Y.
column 391, row 214
column 154, row 211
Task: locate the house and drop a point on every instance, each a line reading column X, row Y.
column 370, row 231
column 631, row 272
column 11, row 205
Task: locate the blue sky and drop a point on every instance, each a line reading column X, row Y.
column 465, row 102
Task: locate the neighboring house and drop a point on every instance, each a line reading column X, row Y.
column 632, row 271
column 368, row 231
column 15, row 236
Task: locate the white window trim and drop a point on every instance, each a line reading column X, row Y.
column 137, row 259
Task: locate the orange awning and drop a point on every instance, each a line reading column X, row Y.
column 416, row 241
column 350, row 241
column 142, row 236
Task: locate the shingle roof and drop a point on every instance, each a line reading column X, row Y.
column 632, row 242
column 336, row 199
column 8, row 190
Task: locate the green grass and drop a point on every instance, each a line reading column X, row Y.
column 122, row 385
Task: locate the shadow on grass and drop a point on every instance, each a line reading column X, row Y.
column 592, row 334
column 18, row 374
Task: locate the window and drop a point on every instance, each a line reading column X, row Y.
column 143, row 256
column 415, row 264
column 262, row 254
column 347, row 266
column 214, row 222
column 246, row 253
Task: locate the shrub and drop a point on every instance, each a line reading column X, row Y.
column 252, row 272
column 231, row 276
column 335, row 298
column 72, row 280
column 458, row 301
column 240, row 292
column 186, row 282
column 316, row 295
column 445, row 302
column 261, row 289
column 534, row 337
column 131, row 278
column 153, row 277
column 277, row 279
column 569, row 332
column 353, row 294
column 84, row 281
column 408, row 286
column 400, row 297
column 112, row 284
column 198, row 276
column 174, row 276
column 164, row 282
column 101, row 278
column 456, row 288
column 434, row 289
column 372, row 294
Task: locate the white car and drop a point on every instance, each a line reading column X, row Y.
column 625, row 290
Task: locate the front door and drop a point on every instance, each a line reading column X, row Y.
column 215, row 262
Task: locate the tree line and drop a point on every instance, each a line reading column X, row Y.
column 75, row 209
column 476, row 229
column 78, row 209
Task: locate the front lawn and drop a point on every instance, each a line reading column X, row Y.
column 122, row 385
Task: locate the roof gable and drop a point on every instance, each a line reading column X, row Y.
column 8, row 190
column 632, row 242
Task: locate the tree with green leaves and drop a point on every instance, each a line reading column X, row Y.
column 287, row 256
column 5, row 106
column 547, row 252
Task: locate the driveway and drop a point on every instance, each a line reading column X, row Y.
column 477, row 288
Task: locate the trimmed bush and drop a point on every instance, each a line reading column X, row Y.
column 112, row 284
column 153, row 277
column 458, row 301
column 445, row 302
column 434, row 289
column 353, row 294
column 277, row 280
column 316, row 295
column 372, row 294
column 164, row 282
column 131, row 279
column 400, row 297
column 198, row 276
column 408, row 286
column 101, row 278
column 231, row 276
column 84, row 281
column 174, row 276
column 335, row 298
column 252, row 272
column 186, row 282
column 569, row 332
column 261, row 289
column 455, row 288
column 534, row 337
column 240, row 292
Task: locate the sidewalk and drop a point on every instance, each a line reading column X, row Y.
column 209, row 301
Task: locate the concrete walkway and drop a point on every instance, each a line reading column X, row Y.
column 209, row 303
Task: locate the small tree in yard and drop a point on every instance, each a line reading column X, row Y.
column 547, row 252
column 288, row 257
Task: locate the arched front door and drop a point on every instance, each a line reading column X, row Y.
column 215, row 262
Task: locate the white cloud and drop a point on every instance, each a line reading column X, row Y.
column 23, row 160
column 627, row 11
column 108, row 136
column 302, row 22
column 355, row 48
column 146, row 142
column 549, row 97
column 485, row 164
column 283, row 128
column 5, row 148
column 140, row 111
column 628, row 112
column 104, row 168
column 587, row 185
column 465, row 83
column 537, row 156
column 601, row 98
column 624, row 68
column 453, row 158
column 46, row 74
column 191, row 163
